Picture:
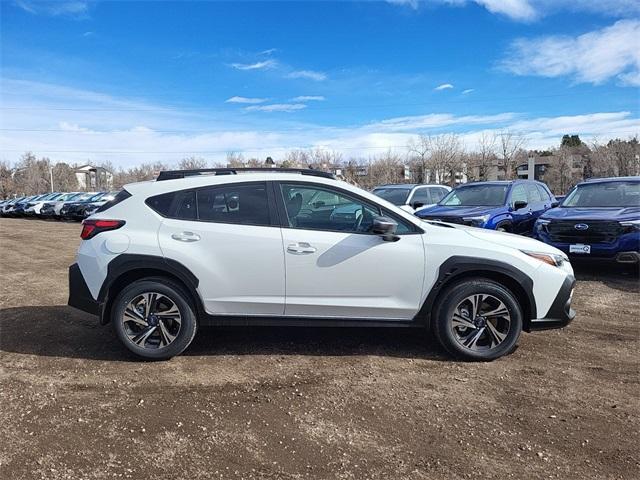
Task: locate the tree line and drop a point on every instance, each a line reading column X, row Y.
column 426, row 159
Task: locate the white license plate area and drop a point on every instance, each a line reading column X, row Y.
column 580, row 248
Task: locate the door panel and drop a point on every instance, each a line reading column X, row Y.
column 352, row 275
column 240, row 267
column 336, row 268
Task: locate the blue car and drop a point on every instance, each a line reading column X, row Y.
column 508, row 206
column 598, row 219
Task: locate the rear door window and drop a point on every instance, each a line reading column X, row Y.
column 543, row 193
column 243, row 204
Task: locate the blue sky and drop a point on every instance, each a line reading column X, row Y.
column 141, row 81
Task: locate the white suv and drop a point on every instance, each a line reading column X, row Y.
column 411, row 197
column 297, row 247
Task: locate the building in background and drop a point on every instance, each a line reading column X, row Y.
column 92, row 178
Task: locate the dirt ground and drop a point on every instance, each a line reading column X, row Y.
column 306, row 403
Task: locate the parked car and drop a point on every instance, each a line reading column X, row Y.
column 34, row 206
column 16, row 208
column 66, row 207
column 7, row 204
column 76, row 210
column 253, row 248
column 598, row 219
column 54, row 209
column 411, row 197
column 507, row 206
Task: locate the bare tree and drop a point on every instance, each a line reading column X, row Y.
column 446, row 157
column 485, row 154
column 192, row 163
column 235, row 159
column 296, row 159
column 7, row 185
column 509, row 145
column 384, row 169
column 418, row 152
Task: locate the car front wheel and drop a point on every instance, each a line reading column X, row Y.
column 154, row 318
column 478, row 319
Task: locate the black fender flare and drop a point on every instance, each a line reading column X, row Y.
column 129, row 263
column 458, row 267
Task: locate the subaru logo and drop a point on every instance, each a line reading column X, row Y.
column 581, row 226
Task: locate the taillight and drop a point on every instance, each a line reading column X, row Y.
column 91, row 228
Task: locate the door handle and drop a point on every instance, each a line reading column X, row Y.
column 302, row 248
column 186, row 237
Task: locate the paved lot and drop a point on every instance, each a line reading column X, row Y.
column 291, row 404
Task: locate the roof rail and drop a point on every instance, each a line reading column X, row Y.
column 173, row 174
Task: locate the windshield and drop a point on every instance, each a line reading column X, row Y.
column 96, row 197
column 477, row 196
column 397, row 196
column 609, row 194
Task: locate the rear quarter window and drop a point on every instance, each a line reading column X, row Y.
column 180, row 205
column 122, row 195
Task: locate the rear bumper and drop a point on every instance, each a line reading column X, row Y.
column 560, row 314
column 79, row 294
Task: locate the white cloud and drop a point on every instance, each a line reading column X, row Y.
column 437, row 120
column 444, row 86
column 594, row 57
column 308, row 74
column 408, row 3
column 468, row 91
column 266, row 64
column 514, row 9
column 529, row 10
column 75, row 8
column 247, row 100
column 277, row 107
column 268, row 51
column 72, row 125
column 308, row 98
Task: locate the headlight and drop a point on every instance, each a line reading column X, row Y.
column 478, row 221
column 631, row 225
column 541, row 223
column 553, row 259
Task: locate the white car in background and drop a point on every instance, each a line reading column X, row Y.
column 410, row 196
column 52, row 209
column 34, row 207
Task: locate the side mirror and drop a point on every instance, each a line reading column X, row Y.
column 554, row 204
column 519, row 204
column 417, row 205
column 386, row 228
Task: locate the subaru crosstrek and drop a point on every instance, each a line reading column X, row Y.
column 598, row 219
column 507, row 206
column 245, row 247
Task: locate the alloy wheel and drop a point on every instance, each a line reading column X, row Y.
column 151, row 320
column 480, row 322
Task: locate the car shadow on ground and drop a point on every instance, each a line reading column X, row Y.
column 620, row 277
column 61, row 331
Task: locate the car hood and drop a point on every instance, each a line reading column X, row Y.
column 603, row 213
column 511, row 240
column 441, row 210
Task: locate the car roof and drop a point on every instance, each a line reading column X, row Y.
column 611, row 179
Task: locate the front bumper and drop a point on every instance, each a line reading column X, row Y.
column 625, row 243
column 79, row 294
column 560, row 314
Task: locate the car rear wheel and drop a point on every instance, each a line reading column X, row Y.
column 154, row 318
column 478, row 319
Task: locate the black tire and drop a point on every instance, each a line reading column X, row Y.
column 504, row 227
column 176, row 294
column 449, row 301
